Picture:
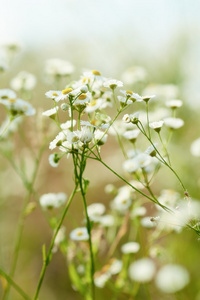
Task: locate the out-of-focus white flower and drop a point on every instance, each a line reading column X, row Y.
column 60, row 237
column 131, row 135
column 173, row 123
column 134, row 74
column 142, row 270
column 146, row 98
column 151, row 150
column 112, row 83
column 53, row 200
column 18, row 106
column 95, row 211
column 79, row 234
column 172, row 278
column 156, row 125
column 100, row 279
column 53, row 160
column 58, row 67
column 94, row 105
column 107, row 220
column 131, row 165
column 51, row 112
column 86, row 135
column 162, row 91
column 73, row 137
column 126, row 118
column 123, row 200
column 124, row 101
column 23, row 80
column 58, row 140
column 100, row 137
column 68, row 124
column 139, row 211
column 115, row 266
column 195, row 148
column 7, row 94
column 174, row 103
column 147, row 223
column 130, row 247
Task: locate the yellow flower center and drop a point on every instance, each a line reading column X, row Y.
column 66, row 91
column 97, row 73
column 55, row 94
column 79, row 233
column 12, row 100
column 93, row 103
column 129, row 92
column 82, row 97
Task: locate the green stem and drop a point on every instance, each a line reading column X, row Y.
column 6, row 128
column 49, row 253
column 15, row 285
column 82, row 167
column 123, row 179
column 22, row 219
column 147, row 109
column 164, row 147
column 162, row 159
column 115, row 99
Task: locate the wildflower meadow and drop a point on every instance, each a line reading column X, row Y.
column 99, row 184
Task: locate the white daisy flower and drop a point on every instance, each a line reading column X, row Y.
column 79, row 234
column 142, row 270
column 130, row 247
column 156, row 125
column 83, row 99
column 86, row 135
column 58, row 140
column 131, row 165
column 123, row 101
column 53, row 160
column 107, row 220
column 7, row 94
column 51, row 112
column 18, row 107
column 23, row 80
column 94, row 105
column 112, row 83
column 148, row 97
column 139, row 211
column 174, row 103
column 53, row 200
column 195, row 148
column 54, row 95
column 56, row 66
column 131, row 135
column 173, row 123
column 73, row 137
column 172, row 278
column 100, row 137
column 100, row 279
column 95, row 211
column 67, row 125
column 64, row 94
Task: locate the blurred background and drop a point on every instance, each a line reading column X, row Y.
column 159, row 38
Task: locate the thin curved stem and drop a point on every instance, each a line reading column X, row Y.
column 47, row 259
column 14, row 285
column 82, row 167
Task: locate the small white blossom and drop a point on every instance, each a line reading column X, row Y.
column 79, row 234
column 23, row 80
column 173, row 123
column 7, row 94
column 156, row 125
column 142, row 270
column 195, row 148
column 112, row 83
column 107, row 220
column 53, row 160
column 68, row 124
column 95, row 211
column 51, row 112
column 53, row 200
column 130, row 247
column 58, row 66
column 174, row 103
column 100, row 137
column 172, row 278
column 54, row 95
column 131, row 135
